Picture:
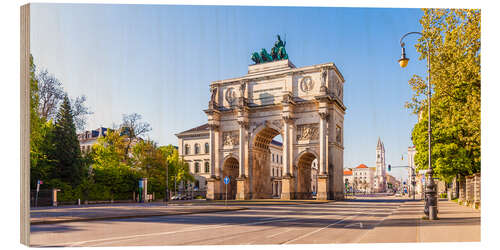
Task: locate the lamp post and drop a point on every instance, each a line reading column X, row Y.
column 167, row 194
column 430, row 193
column 413, row 182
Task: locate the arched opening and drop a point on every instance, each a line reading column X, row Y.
column 230, row 169
column 263, row 148
column 306, row 172
column 276, row 148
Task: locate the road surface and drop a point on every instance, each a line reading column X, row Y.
column 334, row 222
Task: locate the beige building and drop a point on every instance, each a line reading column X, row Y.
column 348, row 177
column 276, row 158
column 363, row 178
column 89, row 138
column 412, row 178
column 194, row 148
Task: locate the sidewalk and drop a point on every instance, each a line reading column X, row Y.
column 51, row 215
column 456, row 224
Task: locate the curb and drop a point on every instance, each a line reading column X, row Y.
column 43, row 222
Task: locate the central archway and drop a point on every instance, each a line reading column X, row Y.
column 262, row 186
column 230, row 169
column 303, row 169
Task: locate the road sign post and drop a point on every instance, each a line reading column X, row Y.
column 37, row 191
column 226, row 181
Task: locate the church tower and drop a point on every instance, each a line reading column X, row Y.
column 380, row 158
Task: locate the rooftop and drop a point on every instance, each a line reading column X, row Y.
column 201, row 128
column 362, row 166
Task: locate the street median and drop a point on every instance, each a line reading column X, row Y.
column 78, row 214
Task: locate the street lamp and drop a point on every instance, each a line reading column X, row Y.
column 430, row 193
column 167, row 193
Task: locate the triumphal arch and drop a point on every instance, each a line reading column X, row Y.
column 304, row 105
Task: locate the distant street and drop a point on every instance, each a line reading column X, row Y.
column 363, row 220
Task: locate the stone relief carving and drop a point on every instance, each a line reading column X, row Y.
column 242, row 88
column 338, row 135
column 214, row 93
column 230, row 138
column 306, row 84
column 338, row 87
column 323, row 77
column 230, row 95
column 307, row 132
column 278, row 123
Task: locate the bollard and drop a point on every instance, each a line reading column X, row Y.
column 432, row 212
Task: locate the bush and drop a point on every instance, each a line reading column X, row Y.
column 443, row 195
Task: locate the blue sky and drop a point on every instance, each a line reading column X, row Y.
column 158, row 61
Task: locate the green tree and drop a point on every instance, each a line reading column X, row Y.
column 178, row 169
column 40, row 135
column 455, row 55
column 68, row 165
column 112, row 177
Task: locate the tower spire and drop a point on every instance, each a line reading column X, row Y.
column 379, row 143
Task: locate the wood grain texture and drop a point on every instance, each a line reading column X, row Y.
column 25, row 126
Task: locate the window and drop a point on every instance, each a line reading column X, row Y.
column 273, row 157
column 207, row 148
column 281, row 159
column 186, row 149
column 196, row 167
column 207, row 167
column 196, row 148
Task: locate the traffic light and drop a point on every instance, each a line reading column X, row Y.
column 389, row 167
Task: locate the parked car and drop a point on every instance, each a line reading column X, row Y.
column 176, row 197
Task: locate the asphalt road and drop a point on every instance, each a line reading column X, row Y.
column 335, row 222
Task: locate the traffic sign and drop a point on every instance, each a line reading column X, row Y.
column 226, row 180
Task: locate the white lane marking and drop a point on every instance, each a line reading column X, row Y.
column 125, row 238
column 121, row 238
column 357, row 223
column 288, row 230
column 319, row 229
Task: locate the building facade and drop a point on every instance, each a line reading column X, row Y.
column 363, row 179
column 276, row 158
column 88, row 138
column 194, row 149
column 348, row 178
column 412, row 177
column 303, row 105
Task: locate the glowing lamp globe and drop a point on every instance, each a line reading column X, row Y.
column 403, row 62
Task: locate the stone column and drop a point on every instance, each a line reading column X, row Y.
column 477, row 190
column 213, row 183
column 243, row 142
column 322, row 142
column 242, row 185
column 323, row 181
column 212, row 150
column 287, row 182
column 286, row 166
column 469, row 190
